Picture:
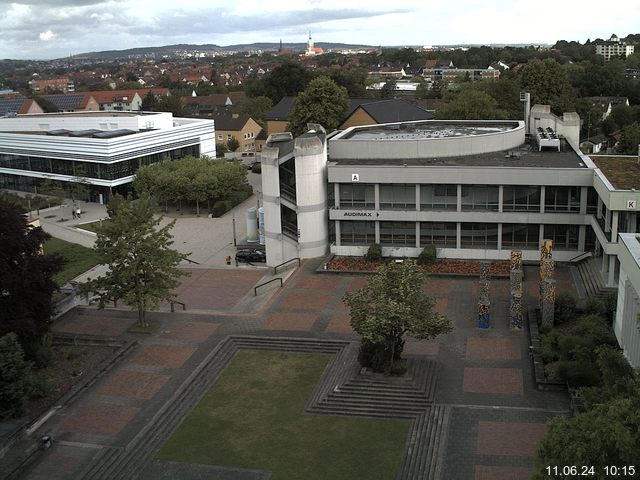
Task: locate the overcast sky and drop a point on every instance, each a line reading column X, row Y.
column 46, row 29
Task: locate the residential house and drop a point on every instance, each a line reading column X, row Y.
column 210, row 105
column 64, row 84
column 241, row 127
column 73, row 102
column 373, row 112
column 606, row 104
column 18, row 106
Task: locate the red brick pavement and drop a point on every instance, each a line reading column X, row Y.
column 428, row 348
column 302, row 322
column 493, row 348
column 509, row 438
column 437, row 286
column 100, row 419
column 162, row 356
column 357, row 283
column 441, row 305
column 486, row 472
column 305, row 299
column 339, row 321
column 216, row 289
column 187, row 331
column 322, row 282
column 493, row 380
column 125, row 383
column 93, row 325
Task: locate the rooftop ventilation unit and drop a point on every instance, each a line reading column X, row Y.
column 547, row 138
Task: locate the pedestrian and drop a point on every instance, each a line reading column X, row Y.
column 73, row 212
column 78, row 212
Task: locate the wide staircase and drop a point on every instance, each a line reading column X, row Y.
column 592, row 279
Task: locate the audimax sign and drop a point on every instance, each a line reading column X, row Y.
column 361, row 214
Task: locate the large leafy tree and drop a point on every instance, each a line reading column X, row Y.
column 390, row 305
column 354, row 79
column 257, row 108
column 26, row 285
column 15, row 375
column 323, row 102
column 548, row 83
column 470, row 104
column 287, row 79
column 629, row 139
column 608, row 431
column 142, row 266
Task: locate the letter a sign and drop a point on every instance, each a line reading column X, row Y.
column 355, row 177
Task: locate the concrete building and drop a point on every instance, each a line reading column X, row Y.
column 614, row 48
column 105, row 149
column 625, row 324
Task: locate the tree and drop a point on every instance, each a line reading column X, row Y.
column 388, row 90
column 323, row 102
column 548, row 83
column 142, row 266
column 15, row 374
column 391, row 304
column 470, row 104
column 287, row 79
column 256, row 108
column 26, row 278
column 149, row 102
column 354, row 79
column 629, row 139
column 233, row 144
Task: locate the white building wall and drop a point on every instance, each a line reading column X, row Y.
column 626, row 320
column 311, row 196
column 86, row 120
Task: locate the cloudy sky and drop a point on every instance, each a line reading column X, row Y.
column 45, row 29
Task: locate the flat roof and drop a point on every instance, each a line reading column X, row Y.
column 623, row 172
column 430, row 129
column 100, row 113
column 524, row 156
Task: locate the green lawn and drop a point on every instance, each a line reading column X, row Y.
column 79, row 259
column 253, row 417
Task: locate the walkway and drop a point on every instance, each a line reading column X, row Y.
column 496, row 413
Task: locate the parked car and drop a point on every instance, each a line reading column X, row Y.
column 248, row 159
column 251, row 256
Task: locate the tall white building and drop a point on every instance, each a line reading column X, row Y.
column 104, row 148
column 614, row 48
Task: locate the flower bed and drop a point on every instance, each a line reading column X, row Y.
column 455, row 267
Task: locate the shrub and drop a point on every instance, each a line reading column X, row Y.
column 595, row 328
column 428, row 255
column 594, row 306
column 15, row 377
column 257, row 167
column 374, row 254
column 577, row 373
column 40, row 384
column 610, row 304
column 221, row 207
column 565, row 308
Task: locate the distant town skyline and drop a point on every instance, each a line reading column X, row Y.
column 48, row 29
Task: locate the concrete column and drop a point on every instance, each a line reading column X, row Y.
column 337, row 228
column 377, row 231
column 417, row 197
column 458, row 233
column 336, row 194
column 500, row 232
column 611, row 280
column 607, row 221
column 584, row 191
column 541, row 235
column 605, row 257
column 500, row 202
column 417, row 234
column 614, row 226
column 459, row 199
column 633, row 222
column 543, row 191
column 599, row 211
column 376, row 194
column 582, row 234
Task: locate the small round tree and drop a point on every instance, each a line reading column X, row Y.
column 391, row 304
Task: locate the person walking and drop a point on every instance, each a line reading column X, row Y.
column 73, row 211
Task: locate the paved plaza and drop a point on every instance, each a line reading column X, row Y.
column 485, row 377
column 497, row 414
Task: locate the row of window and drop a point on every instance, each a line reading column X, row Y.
column 444, row 234
column 104, row 171
column 473, row 197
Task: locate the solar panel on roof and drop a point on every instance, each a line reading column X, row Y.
column 10, row 105
column 65, row 102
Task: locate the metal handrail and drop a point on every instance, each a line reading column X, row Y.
column 172, row 302
column 190, row 261
column 577, row 258
column 255, row 289
column 275, row 269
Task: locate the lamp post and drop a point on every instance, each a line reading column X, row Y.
column 233, row 226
